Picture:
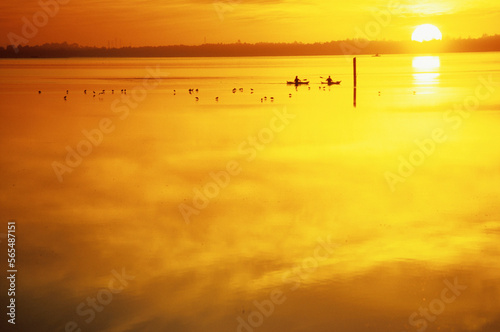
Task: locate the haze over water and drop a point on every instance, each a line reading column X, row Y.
column 334, row 218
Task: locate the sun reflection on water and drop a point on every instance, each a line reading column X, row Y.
column 426, row 72
column 426, row 63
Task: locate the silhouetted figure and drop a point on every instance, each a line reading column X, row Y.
column 216, row 98
column 85, row 91
column 39, row 92
column 67, row 91
column 64, row 97
column 112, row 92
column 296, row 80
column 197, row 98
column 329, row 80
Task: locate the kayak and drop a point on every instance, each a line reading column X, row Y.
column 332, row 83
column 298, row 83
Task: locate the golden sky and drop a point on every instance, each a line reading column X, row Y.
column 192, row 22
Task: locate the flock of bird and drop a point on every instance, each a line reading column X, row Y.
column 94, row 93
column 190, row 91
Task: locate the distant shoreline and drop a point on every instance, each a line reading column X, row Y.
column 344, row 47
column 231, row 56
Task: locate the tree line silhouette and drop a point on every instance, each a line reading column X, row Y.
column 342, row 47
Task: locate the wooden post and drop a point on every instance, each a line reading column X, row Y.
column 355, row 80
column 354, row 71
column 354, row 97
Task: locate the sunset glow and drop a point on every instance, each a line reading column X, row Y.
column 250, row 165
column 194, row 22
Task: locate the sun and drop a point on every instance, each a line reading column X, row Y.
column 426, row 32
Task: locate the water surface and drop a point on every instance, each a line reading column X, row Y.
column 323, row 217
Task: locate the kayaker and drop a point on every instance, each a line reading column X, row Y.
column 296, row 80
column 329, row 80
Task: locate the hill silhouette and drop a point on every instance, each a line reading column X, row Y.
column 342, row 47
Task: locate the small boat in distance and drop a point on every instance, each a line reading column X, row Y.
column 297, row 83
column 332, row 82
column 376, row 55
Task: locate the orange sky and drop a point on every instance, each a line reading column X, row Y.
column 155, row 22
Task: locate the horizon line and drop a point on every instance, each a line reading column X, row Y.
column 261, row 42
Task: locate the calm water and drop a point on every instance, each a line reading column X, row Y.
column 272, row 209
